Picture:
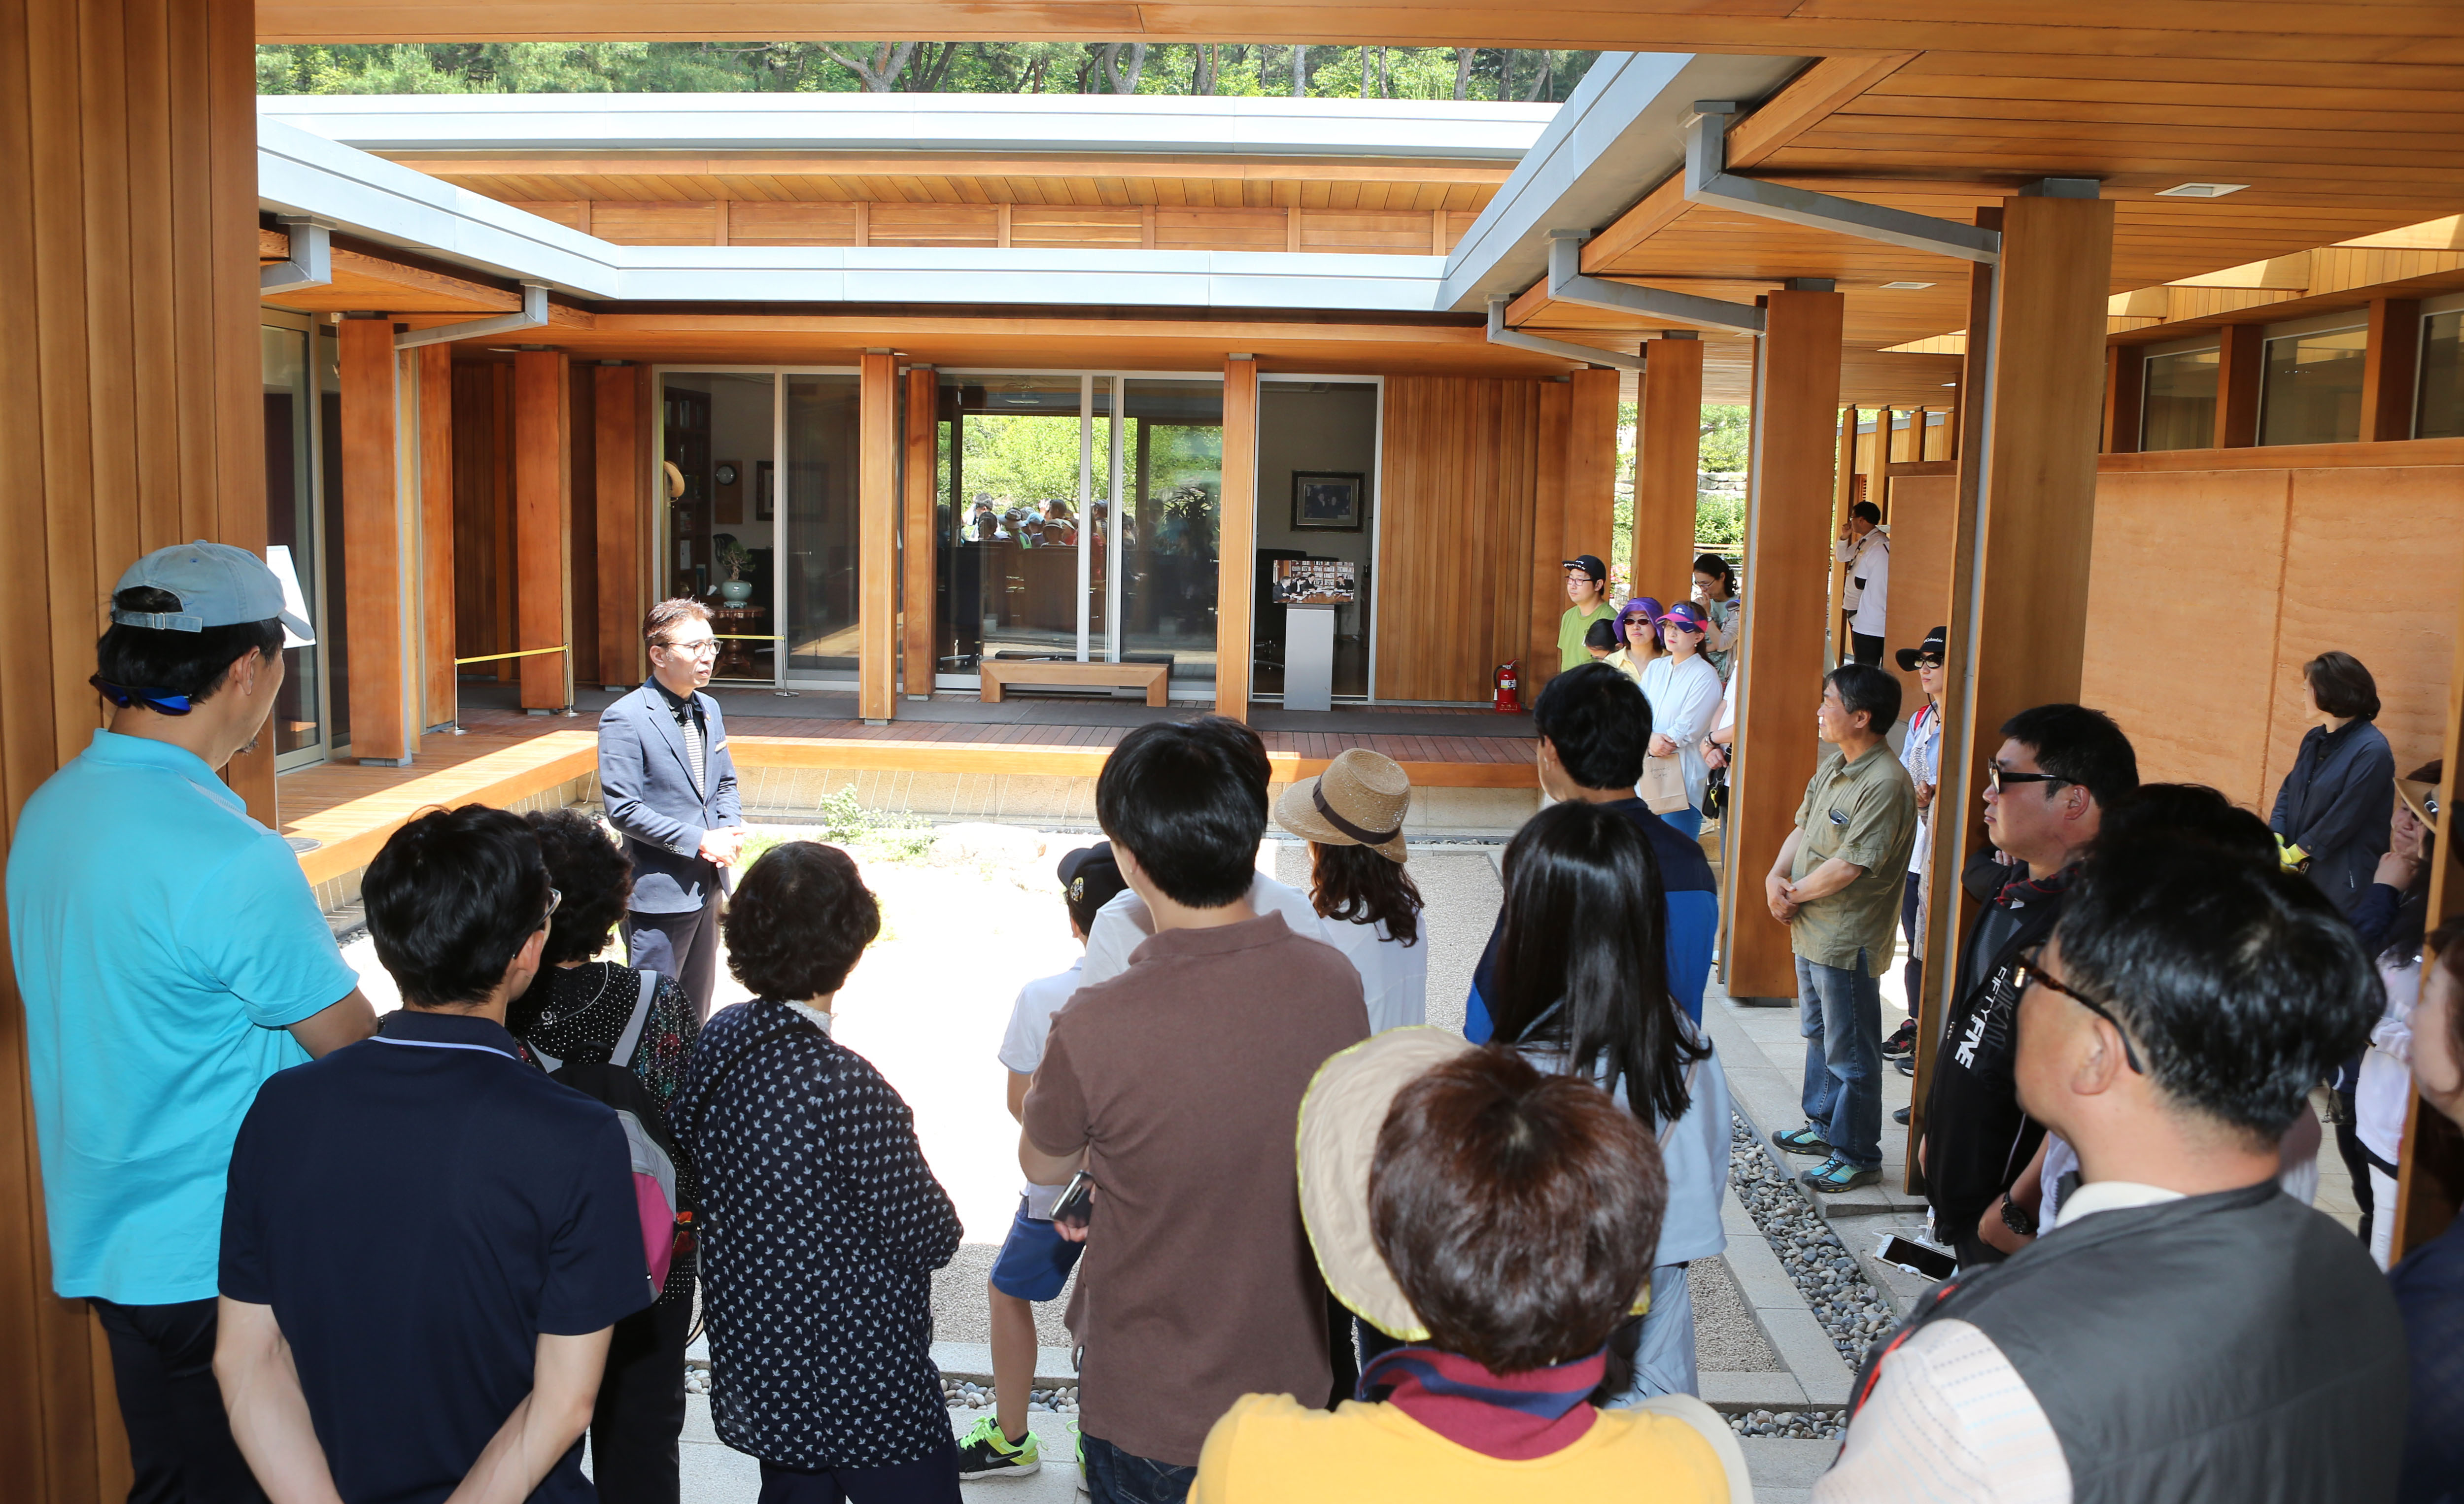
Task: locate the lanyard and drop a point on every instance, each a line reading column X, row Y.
column 439, row 1044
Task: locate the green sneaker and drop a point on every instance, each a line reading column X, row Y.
column 1078, row 1444
column 985, row 1452
column 1837, row 1175
column 1807, row 1139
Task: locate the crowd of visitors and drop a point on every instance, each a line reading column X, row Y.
column 425, row 1260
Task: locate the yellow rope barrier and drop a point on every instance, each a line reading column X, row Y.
column 526, row 652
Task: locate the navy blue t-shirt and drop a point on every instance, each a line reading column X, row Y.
column 417, row 1209
column 1690, row 897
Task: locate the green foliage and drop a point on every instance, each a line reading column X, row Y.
column 1399, row 73
column 1725, row 430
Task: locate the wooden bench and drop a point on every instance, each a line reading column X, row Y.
column 1000, row 673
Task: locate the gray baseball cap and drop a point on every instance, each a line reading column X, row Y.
column 217, row 585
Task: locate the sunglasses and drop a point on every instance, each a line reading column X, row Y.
column 2032, row 973
column 1995, row 776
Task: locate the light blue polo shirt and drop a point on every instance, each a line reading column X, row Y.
column 163, row 942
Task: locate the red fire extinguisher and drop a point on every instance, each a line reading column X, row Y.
column 1508, row 680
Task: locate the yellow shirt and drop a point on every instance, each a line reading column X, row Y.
column 1267, row 1449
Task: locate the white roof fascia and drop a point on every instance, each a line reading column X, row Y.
column 1618, row 135
column 1130, row 124
column 362, row 195
column 301, row 173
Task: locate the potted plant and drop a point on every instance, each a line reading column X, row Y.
column 734, row 558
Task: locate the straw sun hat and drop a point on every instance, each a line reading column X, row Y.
column 1359, row 800
column 1341, row 1113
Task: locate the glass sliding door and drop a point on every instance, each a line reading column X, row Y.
column 291, row 527
column 1019, row 575
column 1317, row 462
column 818, row 591
column 1173, row 510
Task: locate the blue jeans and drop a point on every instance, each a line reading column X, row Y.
column 1114, row 1476
column 1839, row 1012
column 1687, row 822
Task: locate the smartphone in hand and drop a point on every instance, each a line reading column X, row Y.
column 1076, row 1205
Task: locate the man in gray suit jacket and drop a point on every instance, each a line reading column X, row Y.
column 670, row 786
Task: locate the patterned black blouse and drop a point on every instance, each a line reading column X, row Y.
column 823, row 1226
column 580, row 1012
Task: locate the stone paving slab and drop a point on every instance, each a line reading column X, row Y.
column 974, row 1362
column 1784, row 1468
column 1821, row 1376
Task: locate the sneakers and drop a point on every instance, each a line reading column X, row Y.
column 1807, row 1139
column 1903, row 1040
column 1078, row 1442
column 1834, row 1175
column 985, row 1452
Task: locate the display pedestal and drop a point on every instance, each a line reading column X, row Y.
column 1308, row 657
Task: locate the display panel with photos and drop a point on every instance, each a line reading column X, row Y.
column 1317, row 582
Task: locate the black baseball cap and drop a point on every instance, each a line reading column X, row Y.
column 1089, row 880
column 1932, row 648
column 1590, row 565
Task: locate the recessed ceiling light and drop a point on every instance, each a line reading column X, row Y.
column 2201, row 189
column 1905, row 287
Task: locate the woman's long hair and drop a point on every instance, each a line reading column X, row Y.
column 1355, row 883
column 1585, row 925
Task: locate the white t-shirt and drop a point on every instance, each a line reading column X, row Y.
column 1394, row 979
column 1122, row 926
column 1022, row 1050
column 1873, row 566
column 2383, row 1095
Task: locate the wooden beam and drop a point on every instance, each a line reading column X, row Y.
column 877, row 537
column 2388, row 366
column 438, row 686
column 543, row 521
column 620, row 501
column 1668, row 466
column 1236, row 574
column 1788, row 547
column 1243, row 168
column 2241, row 363
column 1549, row 551
column 371, row 609
column 921, row 557
column 2125, row 389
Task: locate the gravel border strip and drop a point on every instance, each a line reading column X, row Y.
column 1852, row 1311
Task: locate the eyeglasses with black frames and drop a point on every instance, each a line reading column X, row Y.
column 2032, row 973
column 1996, row 775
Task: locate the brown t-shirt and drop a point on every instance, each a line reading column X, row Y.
column 1184, row 1076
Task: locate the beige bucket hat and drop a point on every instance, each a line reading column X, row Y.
column 1346, row 1105
column 1359, row 800
column 2421, row 798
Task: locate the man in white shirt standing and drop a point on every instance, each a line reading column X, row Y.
column 1865, row 548
column 2185, row 1331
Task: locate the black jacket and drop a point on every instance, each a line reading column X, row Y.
column 2232, row 1348
column 2335, row 804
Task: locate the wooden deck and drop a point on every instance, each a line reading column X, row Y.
column 505, row 758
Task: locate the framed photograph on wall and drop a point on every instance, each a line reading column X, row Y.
column 1328, row 500
column 765, row 490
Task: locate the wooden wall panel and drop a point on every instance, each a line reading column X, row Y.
column 919, row 533
column 372, row 605
column 542, row 521
column 437, row 687
column 1364, row 233
column 133, row 410
column 753, row 223
column 1045, row 227
column 656, row 224
column 934, row 225
column 620, row 498
column 1667, row 462
column 877, row 537
column 1455, row 572
column 1235, row 578
column 2175, row 556
column 1220, row 230
column 1547, row 550
column 1592, row 466
column 1788, row 551
column 482, row 504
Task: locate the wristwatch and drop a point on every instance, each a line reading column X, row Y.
column 2017, row 1218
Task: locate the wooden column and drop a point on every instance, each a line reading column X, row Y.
column 1886, row 443
column 372, row 604
column 1236, row 574
column 2126, row 390
column 619, row 499
column 2429, row 1170
column 876, row 663
column 581, row 515
column 2241, row 361
column 437, row 697
column 1787, row 550
column 543, row 521
column 2389, row 365
column 1667, row 465
column 133, row 410
column 920, row 558
column 1548, row 552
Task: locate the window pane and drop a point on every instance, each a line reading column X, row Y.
column 291, row 523
column 333, row 633
column 1317, row 445
column 2313, row 391
column 2181, row 401
column 1009, row 577
column 1174, row 455
column 2442, row 377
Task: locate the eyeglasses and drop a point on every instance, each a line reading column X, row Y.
column 555, row 900
column 1996, row 776
column 2032, row 973
column 706, row 647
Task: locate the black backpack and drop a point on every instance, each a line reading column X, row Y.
column 667, row 1216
